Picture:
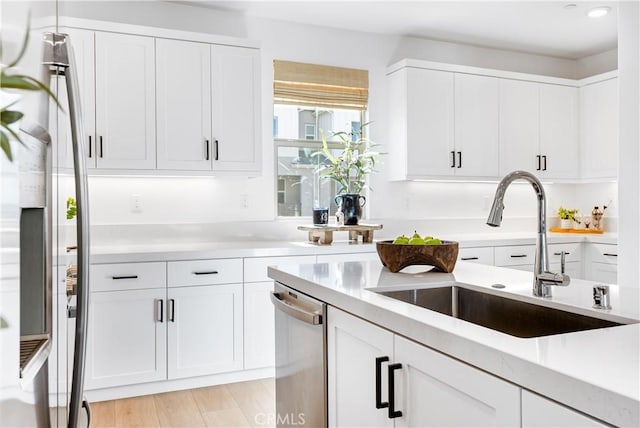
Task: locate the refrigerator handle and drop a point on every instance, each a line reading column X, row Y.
column 58, row 53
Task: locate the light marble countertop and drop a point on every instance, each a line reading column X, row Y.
column 160, row 251
column 596, row 372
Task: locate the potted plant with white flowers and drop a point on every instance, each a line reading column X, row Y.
column 349, row 169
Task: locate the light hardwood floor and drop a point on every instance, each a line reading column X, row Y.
column 244, row 404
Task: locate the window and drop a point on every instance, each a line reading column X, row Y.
column 311, row 101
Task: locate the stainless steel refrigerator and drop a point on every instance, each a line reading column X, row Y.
column 30, row 395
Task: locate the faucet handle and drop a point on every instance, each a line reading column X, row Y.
column 551, row 278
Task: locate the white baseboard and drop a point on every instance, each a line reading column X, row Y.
column 105, row 394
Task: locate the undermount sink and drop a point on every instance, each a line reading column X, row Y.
column 507, row 315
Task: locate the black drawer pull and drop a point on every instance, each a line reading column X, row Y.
column 517, row 256
column 211, row 272
column 539, row 168
column 566, row 253
column 125, row 277
column 459, row 159
column 468, row 258
column 453, row 159
column 379, row 403
column 393, row 413
column 610, row 254
column 172, row 310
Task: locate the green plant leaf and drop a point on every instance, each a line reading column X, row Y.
column 27, row 83
column 12, row 132
column 10, row 116
column 6, row 147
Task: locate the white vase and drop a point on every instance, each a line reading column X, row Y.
column 566, row 224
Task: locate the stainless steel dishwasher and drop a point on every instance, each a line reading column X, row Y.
column 301, row 363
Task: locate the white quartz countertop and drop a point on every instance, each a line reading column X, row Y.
column 595, row 371
column 157, row 250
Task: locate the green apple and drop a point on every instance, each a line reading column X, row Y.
column 402, row 240
column 416, row 239
column 427, row 237
column 433, row 241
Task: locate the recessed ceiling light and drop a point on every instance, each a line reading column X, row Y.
column 598, row 12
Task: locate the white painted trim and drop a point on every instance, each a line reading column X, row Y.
column 598, row 78
column 176, row 385
column 454, row 68
column 157, row 32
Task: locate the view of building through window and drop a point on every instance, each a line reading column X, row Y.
column 298, row 137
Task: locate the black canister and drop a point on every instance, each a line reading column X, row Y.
column 351, row 206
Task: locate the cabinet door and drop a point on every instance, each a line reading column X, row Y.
column 439, row 391
column 204, row 330
column 82, row 42
column 126, row 338
column 559, row 131
column 235, row 83
column 429, row 123
column 540, row 412
column 183, row 90
column 477, row 125
column 259, row 326
column 599, row 129
column 352, row 348
column 481, row 255
column 519, row 119
column 125, row 101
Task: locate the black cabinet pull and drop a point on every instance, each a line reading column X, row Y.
column 539, row 164
column 453, row 159
column 517, row 256
column 468, row 258
column 610, row 254
column 160, row 315
column 459, row 159
column 172, row 310
column 211, row 272
column 125, row 277
column 544, row 162
column 90, row 146
column 393, row 413
column 215, row 156
column 101, row 152
column 560, row 253
column 206, row 142
column 379, row 403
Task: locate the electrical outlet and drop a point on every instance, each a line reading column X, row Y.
column 136, row 204
column 244, row 200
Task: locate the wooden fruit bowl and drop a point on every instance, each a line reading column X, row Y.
column 398, row 256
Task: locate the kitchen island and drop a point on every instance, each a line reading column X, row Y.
column 593, row 372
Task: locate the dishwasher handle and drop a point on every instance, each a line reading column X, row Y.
column 295, row 311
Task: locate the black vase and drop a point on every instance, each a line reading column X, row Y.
column 351, row 206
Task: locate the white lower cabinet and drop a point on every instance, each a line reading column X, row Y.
column 204, row 330
column 127, row 338
column 429, row 388
column 481, row 255
column 540, row 412
column 259, row 329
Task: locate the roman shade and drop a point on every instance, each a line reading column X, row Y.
column 320, row 85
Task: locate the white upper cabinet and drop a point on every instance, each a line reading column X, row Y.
column 183, row 91
column 599, row 129
column 421, row 105
column 477, row 136
column 559, row 131
column 235, row 92
column 519, row 132
column 125, row 101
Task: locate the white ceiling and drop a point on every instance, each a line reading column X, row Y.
column 540, row 27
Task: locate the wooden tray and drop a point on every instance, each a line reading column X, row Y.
column 560, row 230
column 323, row 235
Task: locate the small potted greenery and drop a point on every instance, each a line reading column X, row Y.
column 567, row 217
column 349, row 169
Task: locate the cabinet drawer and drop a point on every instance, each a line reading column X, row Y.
column 604, row 253
column 128, row 276
column 573, row 252
column 204, row 272
column 515, row 255
column 482, row 255
column 255, row 269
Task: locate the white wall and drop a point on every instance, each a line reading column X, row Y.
column 198, row 200
column 629, row 140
